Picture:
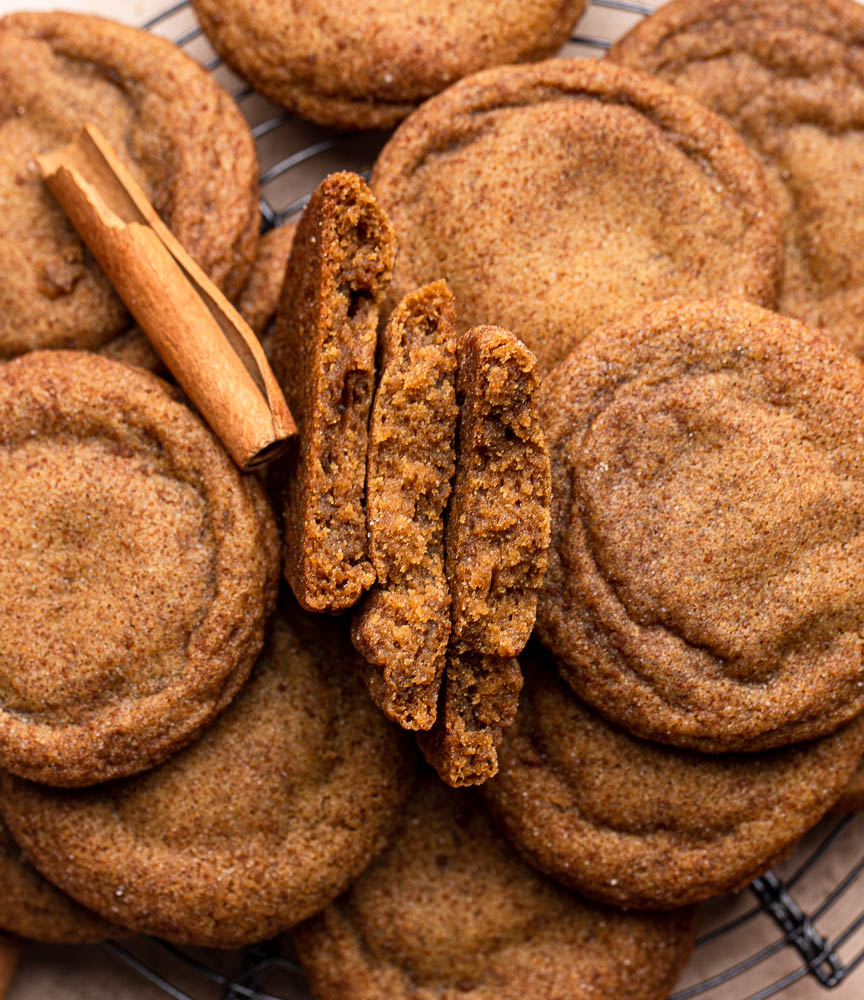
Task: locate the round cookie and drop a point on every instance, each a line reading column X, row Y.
column 31, row 907
column 137, row 570
column 639, row 824
column 181, row 135
column 556, row 197
column 449, row 909
column 284, row 800
column 704, row 584
column 790, row 78
column 369, row 63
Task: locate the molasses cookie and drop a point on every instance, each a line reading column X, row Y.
column 31, row 907
column 790, row 78
column 179, row 133
column 704, row 585
column 137, row 570
column 496, row 542
column 284, row 801
column 403, row 625
column 553, row 198
column 324, row 355
column 368, row 63
column 449, row 909
column 638, row 824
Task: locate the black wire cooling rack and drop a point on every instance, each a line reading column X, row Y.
column 787, row 933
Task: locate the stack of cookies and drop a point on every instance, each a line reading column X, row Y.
column 574, row 507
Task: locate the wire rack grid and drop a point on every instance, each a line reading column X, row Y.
column 787, row 933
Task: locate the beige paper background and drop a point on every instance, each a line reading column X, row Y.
column 93, row 973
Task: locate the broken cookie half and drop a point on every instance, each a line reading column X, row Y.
column 324, row 353
column 496, row 541
column 402, row 626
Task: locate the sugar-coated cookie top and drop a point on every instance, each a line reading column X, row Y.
column 137, row 569
column 449, row 908
column 704, row 583
column 268, row 817
column 790, row 78
column 556, row 197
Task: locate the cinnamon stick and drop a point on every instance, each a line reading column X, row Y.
column 200, row 336
column 10, row 954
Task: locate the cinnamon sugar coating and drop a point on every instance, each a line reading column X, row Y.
column 176, row 129
column 449, row 910
column 790, row 78
column 31, row 907
column 704, row 585
column 496, row 540
column 596, row 187
column 403, row 624
column 324, row 355
column 642, row 825
column 367, row 63
column 137, row 570
column 267, row 818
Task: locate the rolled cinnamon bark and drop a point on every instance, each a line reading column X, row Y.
column 202, row 339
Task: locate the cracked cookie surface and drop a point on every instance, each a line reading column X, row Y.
column 449, row 909
column 704, row 584
column 267, row 818
column 789, row 78
column 647, row 826
column 32, row 908
column 554, row 198
column 369, row 63
column 137, row 570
